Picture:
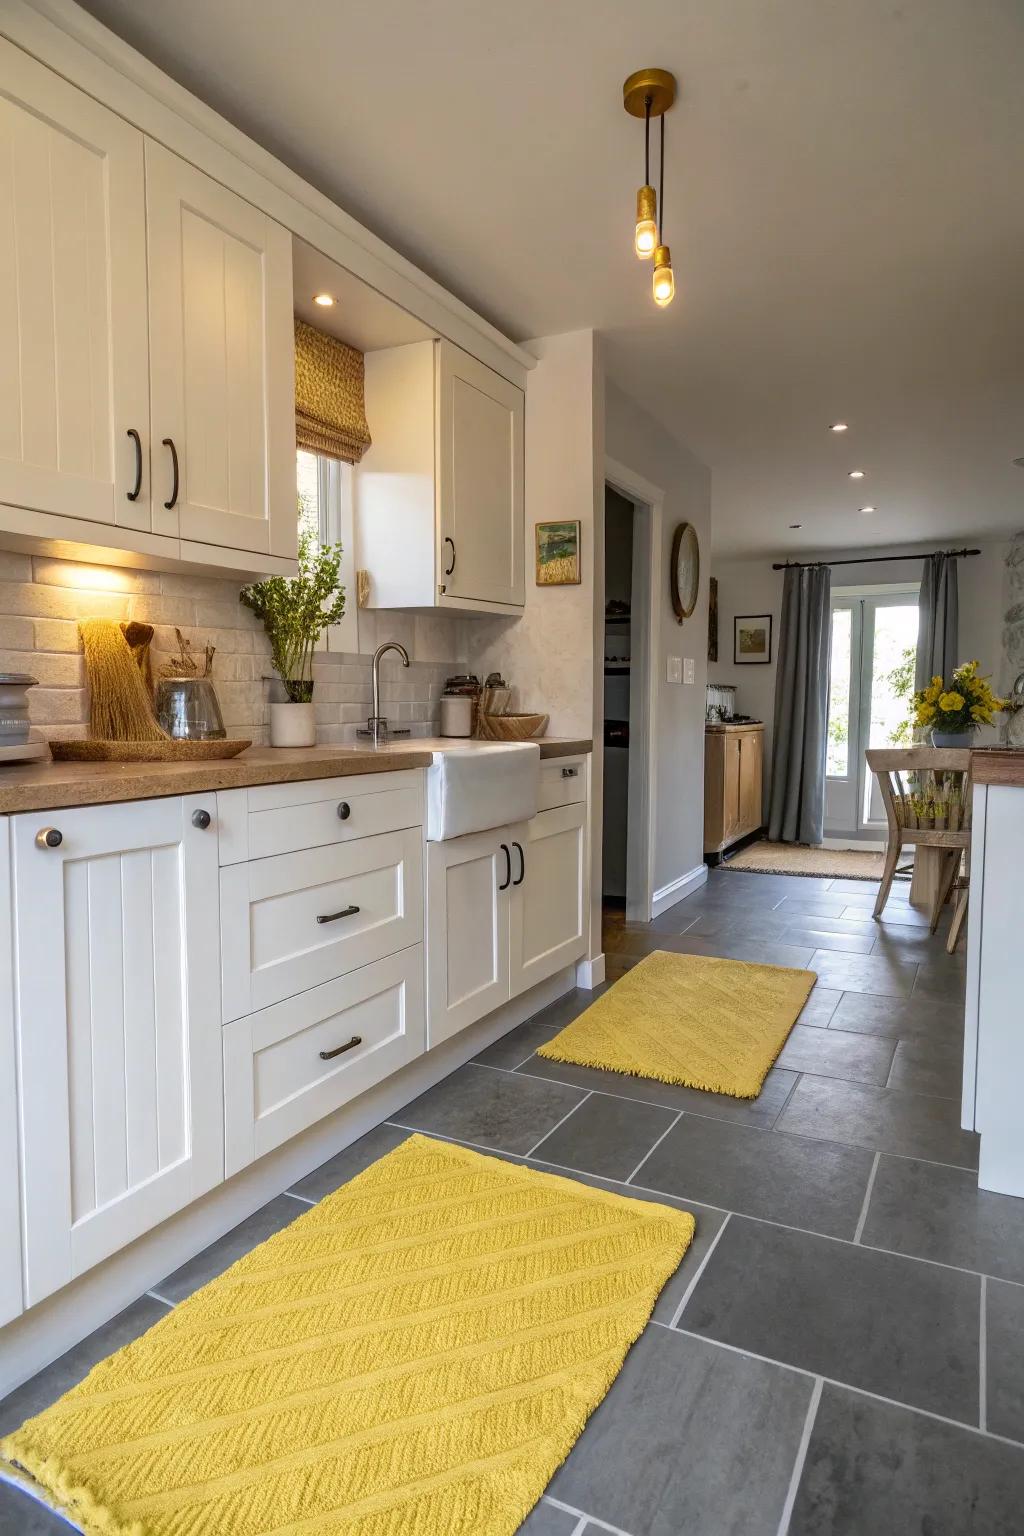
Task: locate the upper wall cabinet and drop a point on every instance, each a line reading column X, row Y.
column 146, row 336
column 221, row 363
column 73, row 384
column 439, row 495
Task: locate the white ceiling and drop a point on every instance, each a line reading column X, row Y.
column 844, row 202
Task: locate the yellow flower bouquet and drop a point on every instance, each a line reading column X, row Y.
column 958, row 707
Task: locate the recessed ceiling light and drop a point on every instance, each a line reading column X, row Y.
column 325, row 300
column 838, row 426
column 866, row 509
column 856, row 474
column 796, row 525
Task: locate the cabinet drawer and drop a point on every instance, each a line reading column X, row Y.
column 294, row 921
column 276, row 1079
column 562, row 782
column 283, row 818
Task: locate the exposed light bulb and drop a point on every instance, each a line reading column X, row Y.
column 325, row 300
column 646, row 237
column 664, row 285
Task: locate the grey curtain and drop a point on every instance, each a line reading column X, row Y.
column 938, row 622
column 797, row 809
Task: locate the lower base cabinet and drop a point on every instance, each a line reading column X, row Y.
column 117, row 1000
column 505, row 910
column 290, row 1065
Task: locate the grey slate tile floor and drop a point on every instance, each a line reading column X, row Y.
column 842, row 1349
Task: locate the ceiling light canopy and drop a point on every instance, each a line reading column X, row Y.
column 649, row 93
column 325, row 300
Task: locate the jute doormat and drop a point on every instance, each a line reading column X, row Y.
column 766, row 858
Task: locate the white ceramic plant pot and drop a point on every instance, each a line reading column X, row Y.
column 292, row 725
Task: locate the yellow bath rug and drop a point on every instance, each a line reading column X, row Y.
column 690, row 1019
column 415, row 1355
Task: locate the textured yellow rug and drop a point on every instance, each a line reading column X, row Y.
column 766, row 858
column 705, row 1023
column 415, row 1356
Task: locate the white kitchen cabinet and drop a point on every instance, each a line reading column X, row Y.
column 287, row 1066
column 10, row 1203
column 118, row 1017
column 73, row 336
column 505, row 910
column 547, row 909
column 298, row 919
column 222, row 363
column 439, row 494
column 468, row 884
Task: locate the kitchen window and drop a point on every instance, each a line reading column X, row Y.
column 325, row 492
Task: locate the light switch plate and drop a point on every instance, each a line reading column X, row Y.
column 675, row 669
column 689, row 670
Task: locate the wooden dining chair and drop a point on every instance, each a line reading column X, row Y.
column 944, row 780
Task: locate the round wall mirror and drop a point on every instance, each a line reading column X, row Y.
column 685, row 570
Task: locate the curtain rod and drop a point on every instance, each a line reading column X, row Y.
column 806, row 565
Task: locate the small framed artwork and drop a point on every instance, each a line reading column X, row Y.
column 752, row 639
column 558, row 554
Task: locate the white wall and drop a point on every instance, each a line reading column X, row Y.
column 634, row 439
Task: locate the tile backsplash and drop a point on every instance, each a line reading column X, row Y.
column 42, row 599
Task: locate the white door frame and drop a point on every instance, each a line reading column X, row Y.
column 648, row 500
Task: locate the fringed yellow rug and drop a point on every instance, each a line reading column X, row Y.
column 690, row 1019
column 415, row 1356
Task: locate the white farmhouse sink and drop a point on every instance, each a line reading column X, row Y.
column 482, row 785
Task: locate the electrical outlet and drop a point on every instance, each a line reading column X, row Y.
column 675, row 669
column 689, row 670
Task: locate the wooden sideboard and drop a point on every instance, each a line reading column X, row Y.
column 733, row 778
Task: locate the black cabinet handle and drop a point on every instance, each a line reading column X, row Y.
column 451, row 567
column 338, row 1049
column 169, row 443
column 508, row 868
column 332, row 917
column 201, row 819
column 344, row 810
column 133, row 495
column 522, row 863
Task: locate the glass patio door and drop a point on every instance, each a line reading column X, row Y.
column 871, row 680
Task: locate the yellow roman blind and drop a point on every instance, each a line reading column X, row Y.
column 330, row 412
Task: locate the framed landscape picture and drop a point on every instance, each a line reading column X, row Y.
column 558, row 554
column 752, row 639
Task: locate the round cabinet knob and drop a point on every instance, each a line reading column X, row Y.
column 49, row 837
column 344, row 810
column 201, row 819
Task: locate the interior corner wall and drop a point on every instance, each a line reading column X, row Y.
column 634, row 439
column 747, row 588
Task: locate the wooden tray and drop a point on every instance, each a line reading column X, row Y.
column 145, row 751
column 510, row 727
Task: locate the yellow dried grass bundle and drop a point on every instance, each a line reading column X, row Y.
column 120, row 707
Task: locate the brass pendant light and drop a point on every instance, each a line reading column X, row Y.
column 649, row 93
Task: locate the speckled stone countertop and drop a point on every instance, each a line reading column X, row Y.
column 50, row 786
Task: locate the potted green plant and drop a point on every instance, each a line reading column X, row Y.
column 295, row 612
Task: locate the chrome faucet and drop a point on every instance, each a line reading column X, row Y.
column 377, row 727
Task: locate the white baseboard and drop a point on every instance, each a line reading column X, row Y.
column 677, row 889
column 590, row 973
column 46, row 1331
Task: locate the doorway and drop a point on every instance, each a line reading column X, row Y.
column 632, row 524
column 871, row 683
